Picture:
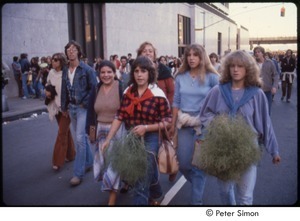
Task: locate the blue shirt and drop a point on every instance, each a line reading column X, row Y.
column 25, row 65
column 189, row 92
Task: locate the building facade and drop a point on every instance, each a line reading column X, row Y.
column 104, row 29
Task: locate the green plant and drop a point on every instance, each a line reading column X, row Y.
column 128, row 157
column 229, row 148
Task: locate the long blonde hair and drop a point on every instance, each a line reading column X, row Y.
column 246, row 60
column 205, row 64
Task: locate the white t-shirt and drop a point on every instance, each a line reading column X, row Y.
column 71, row 76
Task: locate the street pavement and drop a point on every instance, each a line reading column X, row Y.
column 28, row 138
column 19, row 108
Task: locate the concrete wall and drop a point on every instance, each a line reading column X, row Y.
column 42, row 29
column 213, row 25
column 130, row 24
column 127, row 25
column 35, row 29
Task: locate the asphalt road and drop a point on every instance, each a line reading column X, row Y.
column 28, row 179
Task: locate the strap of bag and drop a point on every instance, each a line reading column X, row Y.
column 163, row 134
column 166, row 133
column 159, row 134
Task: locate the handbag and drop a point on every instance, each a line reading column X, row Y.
column 167, row 157
column 53, row 92
column 92, row 133
column 196, row 154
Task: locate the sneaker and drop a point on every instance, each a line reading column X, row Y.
column 282, row 98
column 288, row 100
column 75, row 181
column 56, row 168
column 24, row 98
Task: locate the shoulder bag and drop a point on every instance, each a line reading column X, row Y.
column 167, row 157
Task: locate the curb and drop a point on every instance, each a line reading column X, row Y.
column 23, row 115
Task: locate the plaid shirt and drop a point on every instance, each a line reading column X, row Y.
column 153, row 110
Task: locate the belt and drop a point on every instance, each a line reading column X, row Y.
column 77, row 105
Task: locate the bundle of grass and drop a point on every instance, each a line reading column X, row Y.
column 128, row 157
column 229, row 148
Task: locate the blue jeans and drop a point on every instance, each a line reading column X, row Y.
column 84, row 156
column 149, row 187
column 38, row 87
column 31, row 89
column 245, row 187
column 185, row 150
column 269, row 98
column 24, row 84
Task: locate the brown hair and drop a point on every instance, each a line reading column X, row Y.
column 261, row 49
column 144, row 63
column 139, row 51
column 62, row 59
column 77, row 45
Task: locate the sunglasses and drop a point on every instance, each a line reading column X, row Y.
column 55, row 59
column 71, row 50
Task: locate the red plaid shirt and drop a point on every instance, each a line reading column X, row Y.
column 154, row 110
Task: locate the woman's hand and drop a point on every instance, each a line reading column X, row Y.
column 276, row 159
column 105, row 145
column 140, row 130
column 171, row 131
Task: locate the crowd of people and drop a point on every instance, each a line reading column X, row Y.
column 101, row 101
column 31, row 76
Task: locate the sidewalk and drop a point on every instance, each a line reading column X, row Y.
column 19, row 108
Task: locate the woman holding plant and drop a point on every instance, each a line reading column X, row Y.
column 239, row 94
column 143, row 108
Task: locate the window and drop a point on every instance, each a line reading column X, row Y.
column 184, row 33
column 85, row 27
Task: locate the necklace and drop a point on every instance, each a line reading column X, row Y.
column 237, row 94
column 194, row 78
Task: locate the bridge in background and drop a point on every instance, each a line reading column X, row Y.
column 273, row 40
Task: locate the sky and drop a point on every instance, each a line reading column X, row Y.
column 264, row 20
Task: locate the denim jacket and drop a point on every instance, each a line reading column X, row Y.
column 84, row 81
